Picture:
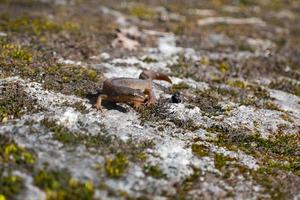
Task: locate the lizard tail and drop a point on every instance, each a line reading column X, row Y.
column 152, row 75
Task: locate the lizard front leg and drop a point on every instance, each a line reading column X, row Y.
column 99, row 101
column 151, row 96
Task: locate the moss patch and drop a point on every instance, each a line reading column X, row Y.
column 35, row 42
column 179, row 86
column 237, row 83
column 142, row 11
column 116, row 167
column 154, row 171
column 200, row 150
column 70, row 79
column 208, row 102
column 280, row 151
column 10, row 185
column 65, row 136
column 181, row 68
column 288, row 85
column 12, row 51
column 13, row 157
column 14, row 102
column 13, row 154
column 149, row 60
column 58, row 184
column 37, row 25
column 239, row 92
column 221, row 161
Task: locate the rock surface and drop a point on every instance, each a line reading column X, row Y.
column 235, row 67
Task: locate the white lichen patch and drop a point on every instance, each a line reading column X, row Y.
column 265, row 122
column 47, row 99
column 69, row 117
column 174, row 159
column 167, row 45
column 179, row 111
column 70, row 62
column 287, row 102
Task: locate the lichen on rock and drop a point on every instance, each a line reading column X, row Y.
column 232, row 133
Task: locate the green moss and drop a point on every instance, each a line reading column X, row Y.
column 221, row 161
column 10, row 186
column 68, row 79
column 58, row 184
column 272, row 185
column 237, row 83
column 72, row 79
column 226, row 92
column 258, row 91
column 293, row 166
column 200, row 150
column 149, row 60
column 287, row 118
column 36, row 25
column 116, row 167
column 11, row 153
column 92, row 74
column 208, row 102
column 288, row 85
column 223, row 67
column 37, row 62
column 70, row 73
column 12, row 157
column 181, row 68
column 245, row 94
column 17, row 154
column 245, row 47
column 80, row 92
column 277, row 152
column 16, row 52
column 70, row 26
column 179, row 86
column 65, row 136
column 151, row 113
column 266, row 151
column 61, row 133
column 142, row 12
column 142, row 156
column 271, row 105
column 154, row 171
column 80, row 107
